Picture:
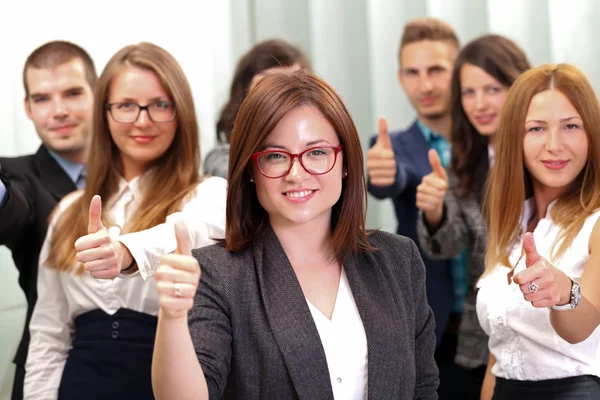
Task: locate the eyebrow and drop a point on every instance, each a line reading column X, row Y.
column 309, row 144
column 69, row 89
column 544, row 122
column 152, row 100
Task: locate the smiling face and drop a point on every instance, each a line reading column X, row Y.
column 555, row 146
column 143, row 141
column 300, row 197
column 60, row 104
column 482, row 98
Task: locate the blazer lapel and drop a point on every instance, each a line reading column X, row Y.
column 52, row 176
column 380, row 318
column 291, row 321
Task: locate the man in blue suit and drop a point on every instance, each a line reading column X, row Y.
column 398, row 161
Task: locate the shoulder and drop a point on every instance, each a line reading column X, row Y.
column 391, row 248
column 16, row 165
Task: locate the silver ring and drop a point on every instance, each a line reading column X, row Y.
column 532, row 287
column 178, row 290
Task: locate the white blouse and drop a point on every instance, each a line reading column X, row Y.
column 522, row 339
column 63, row 296
column 345, row 343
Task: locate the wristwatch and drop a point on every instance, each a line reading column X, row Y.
column 575, row 298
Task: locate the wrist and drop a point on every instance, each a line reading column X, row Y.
column 565, row 293
column 433, row 218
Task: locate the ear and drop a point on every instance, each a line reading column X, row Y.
column 27, row 107
column 401, row 78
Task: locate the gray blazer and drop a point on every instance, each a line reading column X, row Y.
column 255, row 337
column 462, row 228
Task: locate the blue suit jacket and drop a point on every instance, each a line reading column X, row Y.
column 412, row 162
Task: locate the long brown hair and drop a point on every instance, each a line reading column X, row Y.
column 264, row 55
column 272, row 98
column 176, row 171
column 510, row 182
column 504, row 61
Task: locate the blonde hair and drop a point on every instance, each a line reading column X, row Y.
column 510, row 182
column 176, row 170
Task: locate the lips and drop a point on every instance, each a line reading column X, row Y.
column 63, row 129
column 427, row 101
column 485, row 119
column 299, row 194
column 143, row 139
column 555, row 164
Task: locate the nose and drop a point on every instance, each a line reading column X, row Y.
column 480, row 101
column 426, row 85
column 553, row 140
column 60, row 109
column 143, row 119
column 297, row 172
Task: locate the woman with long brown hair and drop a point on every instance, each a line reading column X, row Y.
column 94, row 338
column 451, row 202
column 298, row 301
column 538, row 298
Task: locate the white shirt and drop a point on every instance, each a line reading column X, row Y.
column 62, row 296
column 522, row 339
column 345, row 343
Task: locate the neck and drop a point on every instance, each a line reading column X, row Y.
column 303, row 241
column 543, row 197
column 492, row 141
column 439, row 125
column 131, row 170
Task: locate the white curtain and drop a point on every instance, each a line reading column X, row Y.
column 352, row 44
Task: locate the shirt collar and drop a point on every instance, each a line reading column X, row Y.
column 72, row 169
column 529, row 209
column 428, row 134
column 135, row 187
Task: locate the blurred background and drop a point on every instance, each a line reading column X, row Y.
column 352, row 44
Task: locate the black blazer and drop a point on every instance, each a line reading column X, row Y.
column 35, row 183
column 255, row 337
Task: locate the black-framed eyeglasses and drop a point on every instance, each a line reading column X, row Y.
column 128, row 112
column 278, row 163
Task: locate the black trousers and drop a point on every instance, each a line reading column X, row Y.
column 111, row 357
column 583, row 387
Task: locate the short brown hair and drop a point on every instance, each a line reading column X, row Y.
column 420, row 29
column 273, row 97
column 55, row 53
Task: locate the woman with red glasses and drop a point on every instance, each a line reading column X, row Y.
column 299, row 300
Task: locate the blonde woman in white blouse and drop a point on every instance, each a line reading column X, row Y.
column 538, row 298
column 91, row 338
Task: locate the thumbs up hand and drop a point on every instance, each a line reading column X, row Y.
column 541, row 283
column 177, row 278
column 102, row 256
column 432, row 191
column 381, row 160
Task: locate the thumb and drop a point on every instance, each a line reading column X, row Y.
column 384, row 137
column 436, row 164
column 95, row 221
column 184, row 243
column 531, row 254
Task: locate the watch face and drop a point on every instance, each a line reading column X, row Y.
column 575, row 294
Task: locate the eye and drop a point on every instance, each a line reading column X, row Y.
column 535, row 129
column 467, row 92
column 572, row 126
column 163, row 105
column 40, row 99
column 74, row 93
column 493, row 90
column 126, row 106
column 275, row 156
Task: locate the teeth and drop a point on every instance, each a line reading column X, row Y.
column 303, row 193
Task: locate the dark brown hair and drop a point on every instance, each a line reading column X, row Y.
column 176, row 173
column 265, row 55
column 53, row 54
column 504, row 61
column 420, row 29
column 272, row 98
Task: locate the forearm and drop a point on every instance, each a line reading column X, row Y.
column 489, row 381
column 176, row 372
column 578, row 324
column 448, row 240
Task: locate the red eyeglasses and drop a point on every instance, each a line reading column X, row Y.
column 278, row 163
